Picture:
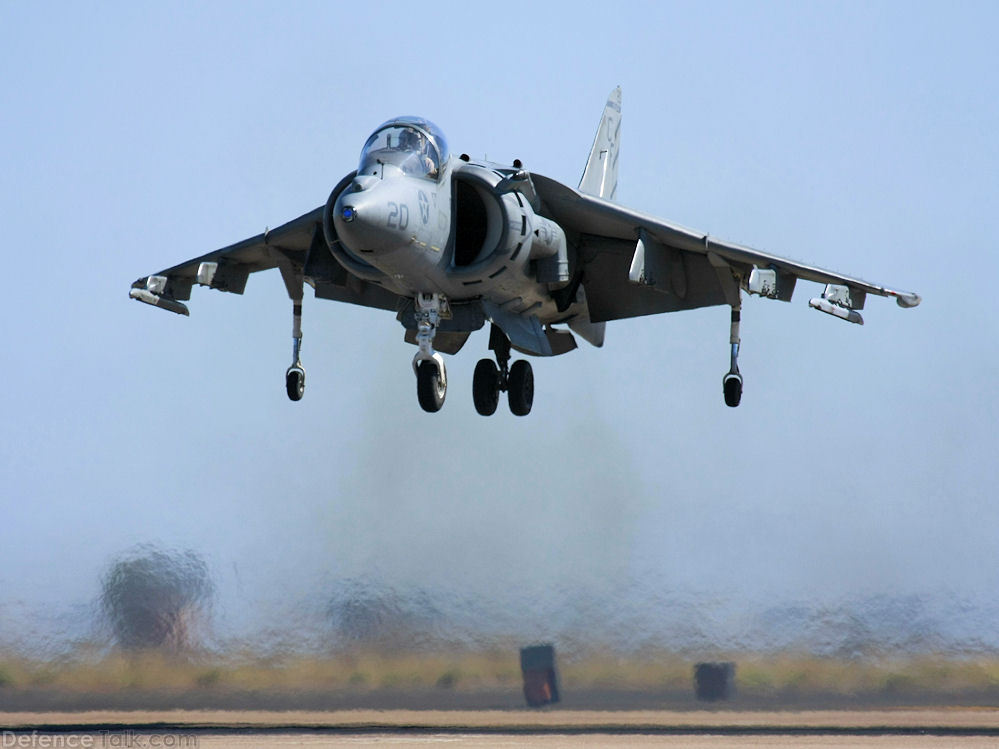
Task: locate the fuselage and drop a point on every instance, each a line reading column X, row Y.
column 423, row 222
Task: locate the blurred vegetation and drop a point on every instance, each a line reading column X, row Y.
column 154, row 599
column 363, row 614
column 757, row 676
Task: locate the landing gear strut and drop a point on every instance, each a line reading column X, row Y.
column 294, row 378
column 732, row 382
column 431, row 376
column 492, row 378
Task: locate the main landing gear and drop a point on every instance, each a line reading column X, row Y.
column 490, row 378
column 732, row 382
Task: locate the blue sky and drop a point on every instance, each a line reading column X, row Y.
column 859, row 137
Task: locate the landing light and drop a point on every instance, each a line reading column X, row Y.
column 348, row 213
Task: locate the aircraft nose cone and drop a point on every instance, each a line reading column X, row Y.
column 359, row 219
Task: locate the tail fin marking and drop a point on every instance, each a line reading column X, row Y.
column 600, row 175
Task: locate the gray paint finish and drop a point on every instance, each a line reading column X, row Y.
column 424, row 234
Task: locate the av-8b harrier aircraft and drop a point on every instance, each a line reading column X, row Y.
column 451, row 243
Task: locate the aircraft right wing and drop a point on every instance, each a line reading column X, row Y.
column 297, row 248
column 634, row 264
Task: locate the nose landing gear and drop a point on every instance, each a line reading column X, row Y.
column 431, row 375
column 490, row 379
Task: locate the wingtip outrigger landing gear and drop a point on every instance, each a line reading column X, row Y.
column 431, row 374
column 294, row 378
column 732, row 382
column 492, row 378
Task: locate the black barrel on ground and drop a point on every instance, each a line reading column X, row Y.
column 714, row 681
column 537, row 663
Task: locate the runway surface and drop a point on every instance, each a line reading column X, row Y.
column 553, row 742
column 962, row 727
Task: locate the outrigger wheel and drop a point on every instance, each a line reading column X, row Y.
column 294, row 382
column 732, row 385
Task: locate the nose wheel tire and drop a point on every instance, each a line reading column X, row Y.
column 294, row 382
column 732, row 385
column 430, row 386
column 486, row 387
column 520, row 388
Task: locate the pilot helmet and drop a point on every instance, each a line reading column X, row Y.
column 408, row 139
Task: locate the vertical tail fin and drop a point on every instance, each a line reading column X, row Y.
column 600, row 174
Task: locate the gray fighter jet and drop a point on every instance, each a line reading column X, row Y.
column 450, row 243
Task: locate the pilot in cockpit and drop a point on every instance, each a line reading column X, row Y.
column 416, row 143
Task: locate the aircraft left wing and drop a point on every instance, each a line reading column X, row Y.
column 634, row 264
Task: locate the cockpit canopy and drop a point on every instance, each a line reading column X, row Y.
column 414, row 145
